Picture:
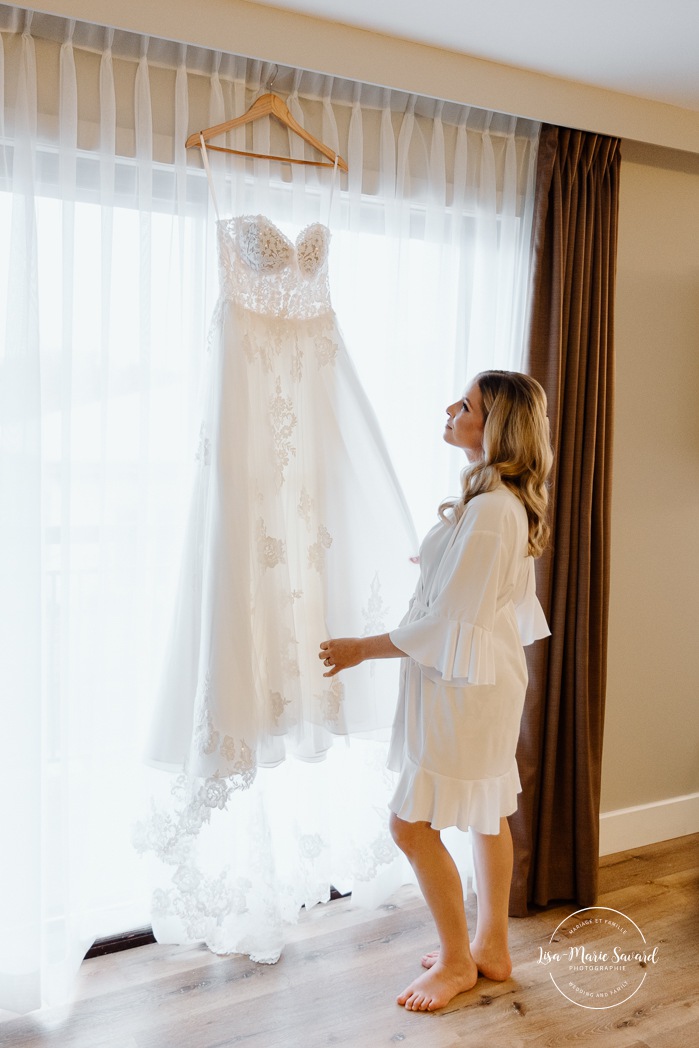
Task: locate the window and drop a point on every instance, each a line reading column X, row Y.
column 107, row 282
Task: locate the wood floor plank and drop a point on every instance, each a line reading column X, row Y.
column 667, row 857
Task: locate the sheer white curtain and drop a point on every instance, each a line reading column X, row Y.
column 107, row 279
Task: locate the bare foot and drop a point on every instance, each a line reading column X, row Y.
column 438, row 986
column 493, row 964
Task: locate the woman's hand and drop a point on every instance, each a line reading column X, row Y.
column 344, row 652
column 341, row 653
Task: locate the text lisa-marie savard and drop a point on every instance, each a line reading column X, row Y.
column 581, row 955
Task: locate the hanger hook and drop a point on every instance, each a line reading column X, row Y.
column 272, row 78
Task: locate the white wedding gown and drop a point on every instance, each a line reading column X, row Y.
column 298, row 531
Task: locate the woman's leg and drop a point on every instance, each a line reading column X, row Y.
column 492, row 857
column 455, row 971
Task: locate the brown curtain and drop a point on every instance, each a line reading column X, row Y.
column 570, row 351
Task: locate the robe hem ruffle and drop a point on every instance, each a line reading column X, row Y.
column 426, row 796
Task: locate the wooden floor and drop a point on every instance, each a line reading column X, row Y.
column 336, row 982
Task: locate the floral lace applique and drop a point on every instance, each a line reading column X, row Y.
column 312, row 248
column 270, row 551
column 331, row 699
column 278, row 704
column 214, row 324
column 262, row 246
column 259, row 349
column 278, row 339
column 297, row 362
column 380, row 852
column 305, row 507
column 316, row 551
column 375, row 612
column 165, row 836
column 206, row 738
column 197, row 900
column 214, row 792
column 289, row 659
column 283, row 424
column 187, row 878
column 326, row 350
column 239, row 760
column 242, row 768
column 228, row 750
column 170, row 834
column 311, row 845
column 291, row 596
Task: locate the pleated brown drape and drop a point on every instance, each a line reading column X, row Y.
column 570, row 351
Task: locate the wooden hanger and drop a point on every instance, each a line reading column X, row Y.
column 269, row 105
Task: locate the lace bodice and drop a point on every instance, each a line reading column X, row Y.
column 261, row 269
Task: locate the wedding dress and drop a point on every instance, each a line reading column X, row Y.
column 298, row 531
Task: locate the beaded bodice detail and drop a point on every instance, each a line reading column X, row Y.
column 262, row 270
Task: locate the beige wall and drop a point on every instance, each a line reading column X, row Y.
column 650, row 750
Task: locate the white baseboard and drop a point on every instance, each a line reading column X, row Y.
column 648, row 823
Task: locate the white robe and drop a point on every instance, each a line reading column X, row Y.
column 464, row 679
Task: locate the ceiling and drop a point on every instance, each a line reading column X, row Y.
column 648, row 48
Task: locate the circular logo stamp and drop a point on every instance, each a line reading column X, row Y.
column 598, row 957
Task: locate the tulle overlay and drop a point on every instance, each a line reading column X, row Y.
column 236, row 874
column 298, row 531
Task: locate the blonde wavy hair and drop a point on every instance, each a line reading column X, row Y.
column 516, row 451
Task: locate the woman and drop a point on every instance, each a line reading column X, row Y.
column 464, row 676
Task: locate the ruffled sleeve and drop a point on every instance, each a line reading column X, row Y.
column 453, row 652
column 530, row 615
column 452, row 638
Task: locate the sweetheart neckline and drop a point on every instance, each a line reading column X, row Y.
column 292, row 243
